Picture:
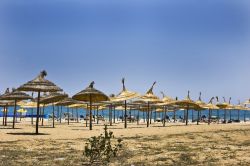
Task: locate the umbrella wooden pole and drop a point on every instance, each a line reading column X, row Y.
column 155, row 116
column 230, row 115
column 238, row 115
column 114, row 115
column 198, row 117
column 218, row 116
column 192, row 115
column 225, row 116
column 138, row 116
column 14, row 116
column 37, row 112
column 6, row 116
column 32, row 120
column 86, row 114
column 174, row 116
column 90, row 113
column 125, row 124
column 43, row 115
column 61, row 115
column 209, row 116
column 245, row 116
column 68, row 114
column 77, row 116
column 97, row 114
column 150, row 120
column 164, row 118
column 130, row 120
column 53, row 116
column 187, row 116
column 148, row 116
column 110, row 115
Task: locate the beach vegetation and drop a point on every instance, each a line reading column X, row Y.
column 101, row 149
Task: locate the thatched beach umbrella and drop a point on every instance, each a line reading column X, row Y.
column 39, row 84
column 210, row 106
column 223, row 106
column 239, row 108
column 125, row 95
column 90, row 94
column 52, row 98
column 187, row 104
column 5, row 104
column 202, row 106
column 16, row 96
column 67, row 102
column 149, row 98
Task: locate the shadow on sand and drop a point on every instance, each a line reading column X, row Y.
column 25, row 133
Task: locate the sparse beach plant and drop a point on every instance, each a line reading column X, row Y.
column 101, row 149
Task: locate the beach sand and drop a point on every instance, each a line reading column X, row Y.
column 175, row 144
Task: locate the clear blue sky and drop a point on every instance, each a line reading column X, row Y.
column 196, row 45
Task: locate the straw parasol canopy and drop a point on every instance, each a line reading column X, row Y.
column 221, row 105
column 53, row 97
column 166, row 99
column 91, row 95
column 96, row 95
column 16, row 96
column 200, row 102
column 149, row 97
column 39, row 84
column 125, row 95
column 66, row 102
column 187, row 104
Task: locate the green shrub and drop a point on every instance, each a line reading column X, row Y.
column 99, row 150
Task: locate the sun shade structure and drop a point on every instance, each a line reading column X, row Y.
column 149, row 98
column 210, row 106
column 39, row 84
column 224, row 106
column 202, row 106
column 91, row 95
column 52, row 98
column 16, row 96
column 125, row 95
column 5, row 104
column 187, row 104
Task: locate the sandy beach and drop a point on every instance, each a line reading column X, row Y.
column 175, row 144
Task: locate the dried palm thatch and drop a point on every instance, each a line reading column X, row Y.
column 53, row 97
column 124, row 94
column 91, row 95
column 67, row 101
column 188, row 104
column 40, row 84
column 16, row 96
column 149, row 96
column 95, row 94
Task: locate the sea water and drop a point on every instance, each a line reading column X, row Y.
column 180, row 114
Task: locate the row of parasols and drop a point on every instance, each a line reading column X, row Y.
column 91, row 97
